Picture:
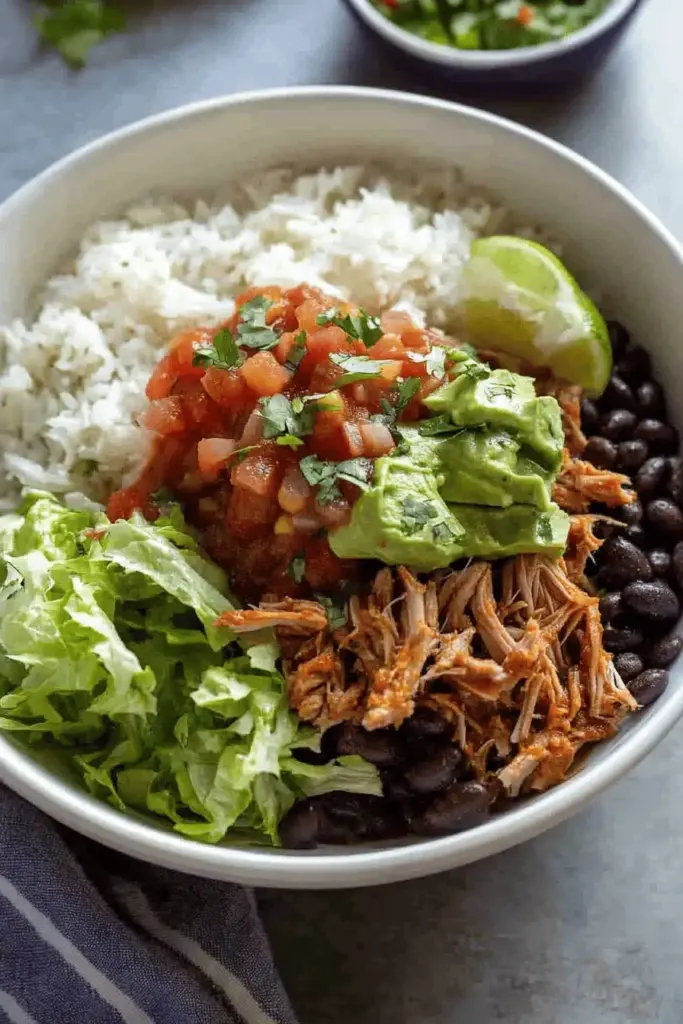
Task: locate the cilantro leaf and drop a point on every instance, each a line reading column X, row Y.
column 475, row 370
column 252, row 330
column 297, row 568
column 357, row 367
column 325, row 475
column 441, row 424
column 296, row 352
column 282, row 418
column 434, row 360
column 76, row 26
column 500, row 391
column 289, row 441
column 223, row 353
column 362, row 327
column 406, row 389
column 418, row 513
column 163, row 497
column 336, row 612
column 544, row 528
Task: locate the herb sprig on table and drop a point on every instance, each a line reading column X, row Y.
column 73, row 27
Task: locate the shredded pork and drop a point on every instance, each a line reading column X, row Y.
column 511, row 656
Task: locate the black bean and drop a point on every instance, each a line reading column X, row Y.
column 636, row 535
column 677, row 561
column 462, row 806
column 434, row 773
column 675, row 481
column 426, row 723
column 618, row 424
column 649, row 685
column 652, row 599
column 618, row 336
column 660, row 436
column 601, row 452
column 347, row 817
column 634, row 365
column 589, row 416
column 665, row 517
column 611, row 606
column 651, row 476
column 660, row 560
column 632, row 514
column 628, row 665
column 299, row 827
column 395, row 787
column 631, row 455
column 618, row 395
column 650, row 399
column 380, row 747
column 623, row 562
column 617, row 641
column 664, row 651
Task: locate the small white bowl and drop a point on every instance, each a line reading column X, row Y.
column 613, row 244
column 575, row 55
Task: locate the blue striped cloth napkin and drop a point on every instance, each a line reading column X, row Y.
column 88, row 936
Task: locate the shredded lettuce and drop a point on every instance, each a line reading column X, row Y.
column 109, row 653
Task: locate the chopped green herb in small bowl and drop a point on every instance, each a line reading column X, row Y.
column 499, row 40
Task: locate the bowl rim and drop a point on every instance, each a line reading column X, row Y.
column 356, row 866
column 489, row 60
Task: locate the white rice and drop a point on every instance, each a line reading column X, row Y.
column 72, row 382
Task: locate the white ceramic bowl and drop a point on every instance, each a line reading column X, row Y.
column 612, row 243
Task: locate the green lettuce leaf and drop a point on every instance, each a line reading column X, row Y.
column 109, row 657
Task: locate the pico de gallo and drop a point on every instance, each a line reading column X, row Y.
column 266, row 429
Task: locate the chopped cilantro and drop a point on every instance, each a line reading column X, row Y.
column 500, row 391
column 476, row 370
column 362, row 327
column 469, row 350
column 223, row 353
column 418, row 513
column 297, row 568
column 357, row 368
column 289, row 441
column 296, row 352
column 406, row 389
column 336, row 613
column 74, row 27
column 252, row 330
column 241, row 453
column 325, row 475
column 434, row 361
column 544, row 528
column 284, row 418
column 441, row 424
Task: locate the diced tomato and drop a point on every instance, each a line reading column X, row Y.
column 272, row 292
column 416, row 340
column 284, row 346
column 161, row 382
column 201, row 412
column 165, row 416
column 391, row 370
column 413, row 368
column 308, row 312
column 377, row 439
column 323, row 568
column 353, row 440
column 260, row 472
column 389, row 346
column 227, row 388
column 328, row 440
column 250, row 514
column 324, row 377
column 263, row 374
column 182, row 350
column 213, row 454
column 525, row 15
column 321, row 342
column 396, row 321
column 298, row 295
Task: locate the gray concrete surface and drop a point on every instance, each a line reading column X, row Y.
column 582, row 926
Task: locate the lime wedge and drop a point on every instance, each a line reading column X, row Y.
column 518, row 298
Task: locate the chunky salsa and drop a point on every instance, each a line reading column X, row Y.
column 266, row 429
column 491, row 24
